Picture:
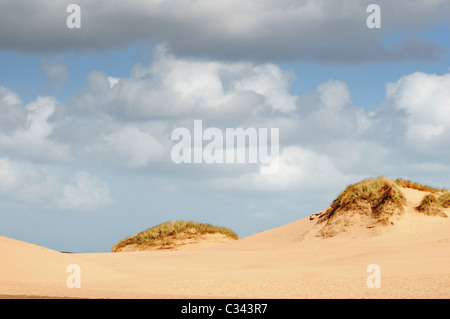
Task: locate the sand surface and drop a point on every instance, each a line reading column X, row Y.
column 285, row 262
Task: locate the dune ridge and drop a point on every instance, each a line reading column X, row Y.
column 314, row 257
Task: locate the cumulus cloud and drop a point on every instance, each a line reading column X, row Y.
column 31, row 185
column 129, row 120
column 27, row 131
column 9, row 175
column 175, row 87
column 328, row 136
column 84, row 192
column 11, row 109
column 418, row 105
column 325, row 140
column 323, row 117
column 299, row 169
column 132, row 147
column 320, row 30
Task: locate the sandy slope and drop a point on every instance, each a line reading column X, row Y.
column 286, row 262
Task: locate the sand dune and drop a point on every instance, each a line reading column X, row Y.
column 413, row 253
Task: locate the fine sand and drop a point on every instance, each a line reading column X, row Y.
column 413, row 254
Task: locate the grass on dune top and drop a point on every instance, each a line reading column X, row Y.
column 432, row 204
column 373, row 191
column 383, row 196
column 374, row 201
column 164, row 234
column 444, row 200
column 420, row 187
column 368, row 203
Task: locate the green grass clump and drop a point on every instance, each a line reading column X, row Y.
column 433, row 205
column 444, row 200
column 370, row 202
column 417, row 186
column 427, row 202
column 166, row 233
column 375, row 201
column 376, row 193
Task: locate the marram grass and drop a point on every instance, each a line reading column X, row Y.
column 374, row 191
column 444, row 200
column 166, row 233
column 376, row 201
column 417, row 186
column 427, row 201
column 433, row 205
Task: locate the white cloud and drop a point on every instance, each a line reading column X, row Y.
column 323, row 118
column 38, row 185
column 174, row 87
column 86, row 192
column 299, row 169
column 324, row 127
column 112, row 81
column 31, row 133
column 11, row 110
column 8, row 175
column 27, row 185
column 127, row 123
column 334, row 95
column 272, row 83
column 132, row 147
column 424, row 102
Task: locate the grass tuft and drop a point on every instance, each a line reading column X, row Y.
column 417, row 186
column 427, row 202
column 444, row 200
column 376, row 192
column 432, row 205
column 372, row 202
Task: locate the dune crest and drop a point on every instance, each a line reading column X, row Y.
column 324, row 255
column 376, row 204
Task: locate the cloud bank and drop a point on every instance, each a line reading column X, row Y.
column 289, row 30
column 124, row 125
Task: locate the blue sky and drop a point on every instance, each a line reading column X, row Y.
column 87, row 113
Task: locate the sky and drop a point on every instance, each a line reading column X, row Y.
column 87, row 113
